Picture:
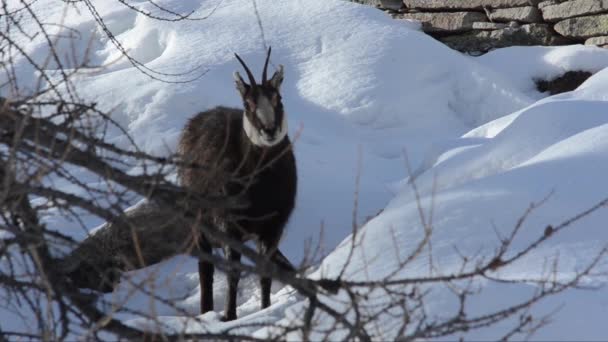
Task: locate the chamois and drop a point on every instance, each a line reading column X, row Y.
column 243, row 152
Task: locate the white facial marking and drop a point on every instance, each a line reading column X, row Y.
column 265, row 111
column 258, row 138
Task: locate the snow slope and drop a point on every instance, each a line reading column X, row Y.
column 361, row 86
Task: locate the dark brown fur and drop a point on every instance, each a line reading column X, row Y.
column 231, row 165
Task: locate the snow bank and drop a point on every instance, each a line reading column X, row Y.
column 355, row 79
column 360, row 85
column 554, row 149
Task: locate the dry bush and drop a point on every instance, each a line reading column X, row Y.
column 49, row 132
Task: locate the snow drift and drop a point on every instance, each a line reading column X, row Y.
column 365, row 93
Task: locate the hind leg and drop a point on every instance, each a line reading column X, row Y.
column 268, row 250
column 273, row 254
column 205, row 276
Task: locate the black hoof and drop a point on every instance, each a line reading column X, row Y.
column 227, row 319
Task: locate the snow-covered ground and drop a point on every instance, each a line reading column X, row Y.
column 363, row 89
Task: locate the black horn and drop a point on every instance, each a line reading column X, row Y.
column 266, row 65
column 249, row 74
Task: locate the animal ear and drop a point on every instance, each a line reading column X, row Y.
column 241, row 86
column 277, row 78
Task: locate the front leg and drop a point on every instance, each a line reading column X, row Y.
column 233, row 275
column 265, row 282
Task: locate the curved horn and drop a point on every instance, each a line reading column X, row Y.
column 249, row 74
column 266, row 65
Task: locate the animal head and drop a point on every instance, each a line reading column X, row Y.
column 264, row 120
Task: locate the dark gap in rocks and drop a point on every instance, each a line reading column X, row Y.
column 439, row 10
column 566, row 82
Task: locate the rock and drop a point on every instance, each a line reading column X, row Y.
column 394, row 5
column 373, row 3
column 574, row 8
column 599, row 41
column 483, row 41
column 583, row 27
column 150, row 234
column 526, row 14
column 467, row 4
column 488, row 26
column 544, row 4
column 445, row 22
column 567, row 82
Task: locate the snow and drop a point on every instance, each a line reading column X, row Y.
column 523, row 65
column 365, row 93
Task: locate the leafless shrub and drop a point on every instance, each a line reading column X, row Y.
column 47, row 132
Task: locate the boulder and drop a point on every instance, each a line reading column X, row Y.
column 374, row 3
column 544, row 4
column 599, row 41
column 583, row 27
column 451, row 22
column 527, row 14
column 574, row 8
column 149, row 234
column 483, row 41
column 466, row 4
column 488, row 26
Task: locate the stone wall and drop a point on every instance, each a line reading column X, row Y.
column 477, row 26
